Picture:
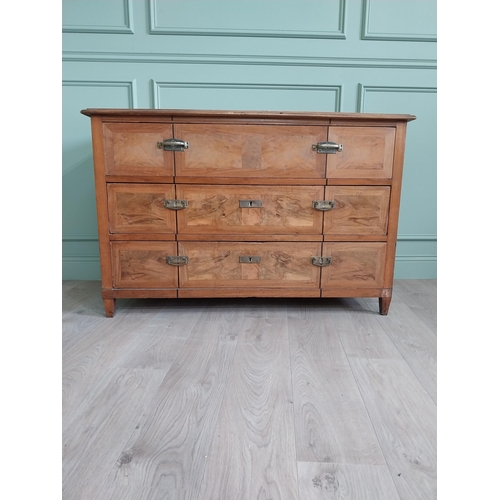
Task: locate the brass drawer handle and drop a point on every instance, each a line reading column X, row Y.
column 173, row 145
column 250, row 259
column 321, row 261
column 327, row 147
column 176, row 204
column 177, row 260
column 323, row 205
column 250, row 203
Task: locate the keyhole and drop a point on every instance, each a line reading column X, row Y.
column 250, row 203
column 250, row 258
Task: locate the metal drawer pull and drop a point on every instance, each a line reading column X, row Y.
column 176, row 260
column 173, row 145
column 321, row 261
column 176, row 204
column 250, row 259
column 323, row 205
column 250, row 203
column 327, row 147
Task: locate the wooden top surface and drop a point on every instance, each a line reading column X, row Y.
column 243, row 114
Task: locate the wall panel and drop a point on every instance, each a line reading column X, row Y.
column 310, row 56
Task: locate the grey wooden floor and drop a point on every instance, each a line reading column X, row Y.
column 249, row 399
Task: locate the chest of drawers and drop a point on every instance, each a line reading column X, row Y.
column 246, row 204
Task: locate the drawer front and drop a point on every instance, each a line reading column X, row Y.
column 250, row 151
column 140, row 208
column 281, row 265
column 367, row 152
column 358, row 210
column 143, row 264
column 359, row 265
column 132, row 149
column 250, row 210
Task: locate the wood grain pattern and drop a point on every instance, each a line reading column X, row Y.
column 404, row 418
column 359, row 210
column 160, row 401
column 367, row 152
column 331, row 422
column 354, row 265
column 250, row 151
column 213, row 264
column 255, row 427
column 142, row 264
column 171, row 441
column 131, row 149
column 140, row 208
column 98, row 434
column 414, row 340
column 216, row 210
column 345, row 482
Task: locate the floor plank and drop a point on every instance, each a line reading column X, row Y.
column 414, row 340
column 331, row 421
column 323, row 481
column 93, row 440
column 253, row 453
column 170, row 443
column 404, row 417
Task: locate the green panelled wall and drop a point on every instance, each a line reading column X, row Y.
column 307, row 55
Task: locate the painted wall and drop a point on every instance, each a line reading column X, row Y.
column 307, row 55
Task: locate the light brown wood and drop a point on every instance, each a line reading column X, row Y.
column 131, row 149
column 367, row 152
column 233, row 156
column 216, row 210
column 356, row 265
column 139, row 208
column 216, row 265
column 270, row 181
column 142, row 264
column 191, row 293
column 250, row 151
column 358, row 211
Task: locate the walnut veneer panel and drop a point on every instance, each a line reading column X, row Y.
column 250, row 151
column 131, row 149
column 142, row 264
column 282, row 265
column 140, row 208
column 354, row 264
column 283, row 210
column 359, row 210
column 368, row 152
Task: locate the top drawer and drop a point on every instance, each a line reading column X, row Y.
column 239, row 151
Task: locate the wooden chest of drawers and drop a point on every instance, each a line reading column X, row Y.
column 247, row 204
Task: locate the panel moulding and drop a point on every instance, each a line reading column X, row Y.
column 126, row 28
column 131, row 85
column 365, row 89
column 366, row 34
column 155, row 29
column 157, row 86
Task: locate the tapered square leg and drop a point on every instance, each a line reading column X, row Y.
column 383, row 304
column 109, row 307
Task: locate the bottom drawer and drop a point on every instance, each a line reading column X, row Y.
column 142, row 264
column 230, row 264
column 354, row 265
